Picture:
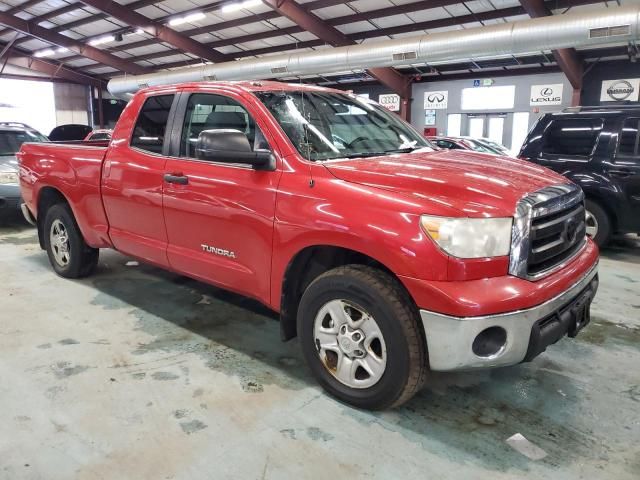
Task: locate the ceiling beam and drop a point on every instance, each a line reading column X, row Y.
column 566, row 58
column 157, row 29
column 52, row 69
column 311, row 23
column 372, row 14
column 27, row 28
column 72, row 7
column 238, row 22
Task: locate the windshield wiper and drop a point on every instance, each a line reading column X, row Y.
column 363, row 155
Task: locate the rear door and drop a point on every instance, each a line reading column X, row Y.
column 220, row 216
column 133, row 179
column 624, row 171
column 569, row 144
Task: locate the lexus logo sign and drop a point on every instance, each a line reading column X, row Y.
column 546, row 94
column 436, row 100
column 625, row 89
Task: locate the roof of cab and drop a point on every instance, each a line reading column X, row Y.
column 246, row 86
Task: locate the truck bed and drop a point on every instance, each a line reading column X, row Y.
column 73, row 170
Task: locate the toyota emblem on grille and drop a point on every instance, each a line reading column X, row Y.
column 571, row 230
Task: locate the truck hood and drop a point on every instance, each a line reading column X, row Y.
column 471, row 183
column 8, row 163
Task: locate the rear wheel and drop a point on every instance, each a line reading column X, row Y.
column 68, row 253
column 598, row 223
column 361, row 338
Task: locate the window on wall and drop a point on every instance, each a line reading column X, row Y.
column 519, row 130
column 30, row 102
column 572, row 137
column 454, row 122
column 500, row 97
column 628, row 145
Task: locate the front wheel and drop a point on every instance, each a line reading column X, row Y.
column 361, row 337
column 68, row 253
column 598, row 223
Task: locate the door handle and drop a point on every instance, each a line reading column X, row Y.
column 176, row 178
column 620, row 172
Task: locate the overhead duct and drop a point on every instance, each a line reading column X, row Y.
column 600, row 27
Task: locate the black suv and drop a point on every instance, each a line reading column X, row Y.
column 598, row 149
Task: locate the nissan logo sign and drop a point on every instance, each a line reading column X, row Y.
column 620, row 90
column 435, row 98
column 546, row 92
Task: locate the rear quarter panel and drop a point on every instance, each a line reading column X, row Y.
column 74, row 170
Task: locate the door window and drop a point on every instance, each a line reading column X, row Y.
column 217, row 112
column 148, row 134
column 572, row 137
column 628, row 145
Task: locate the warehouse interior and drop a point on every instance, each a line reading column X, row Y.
column 136, row 358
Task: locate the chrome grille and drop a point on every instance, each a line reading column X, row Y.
column 549, row 229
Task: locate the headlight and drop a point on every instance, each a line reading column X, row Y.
column 470, row 237
column 8, row 177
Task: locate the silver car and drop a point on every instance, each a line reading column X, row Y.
column 12, row 136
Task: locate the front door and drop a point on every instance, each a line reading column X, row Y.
column 132, row 182
column 219, row 216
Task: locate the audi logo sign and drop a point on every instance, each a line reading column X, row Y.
column 390, row 101
column 546, row 94
column 436, row 100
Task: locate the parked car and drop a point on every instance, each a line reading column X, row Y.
column 98, row 134
column 385, row 257
column 70, row 131
column 465, row 143
column 598, row 149
column 12, row 136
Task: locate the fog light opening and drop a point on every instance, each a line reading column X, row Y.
column 490, row 342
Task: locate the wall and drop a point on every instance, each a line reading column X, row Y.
column 592, row 82
column 72, row 103
column 522, row 100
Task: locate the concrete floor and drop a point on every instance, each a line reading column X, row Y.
column 136, row 373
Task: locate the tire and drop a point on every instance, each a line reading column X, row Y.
column 396, row 350
column 73, row 258
column 598, row 223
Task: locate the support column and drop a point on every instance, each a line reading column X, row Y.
column 100, row 110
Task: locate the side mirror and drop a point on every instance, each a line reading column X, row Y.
column 231, row 146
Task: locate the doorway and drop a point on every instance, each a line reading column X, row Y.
column 485, row 125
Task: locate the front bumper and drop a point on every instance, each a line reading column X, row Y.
column 10, row 199
column 450, row 339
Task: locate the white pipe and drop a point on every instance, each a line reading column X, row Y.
column 600, row 27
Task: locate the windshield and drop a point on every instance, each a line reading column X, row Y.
column 323, row 125
column 12, row 140
column 480, row 147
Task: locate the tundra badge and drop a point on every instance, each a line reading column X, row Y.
column 218, row 251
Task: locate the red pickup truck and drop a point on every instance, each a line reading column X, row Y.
column 385, row 257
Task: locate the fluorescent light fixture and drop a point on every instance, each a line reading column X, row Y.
column 101, row 40
column 192, row 17
column 44, row 53
column 62, row 50
column 234, row 7
column 139, row 31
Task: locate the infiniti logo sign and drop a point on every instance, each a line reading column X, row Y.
column 435, row 97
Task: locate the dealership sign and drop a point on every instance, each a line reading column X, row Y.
column 620, row 90
column 546, row 94
column 436, row 100
column 390, row 101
